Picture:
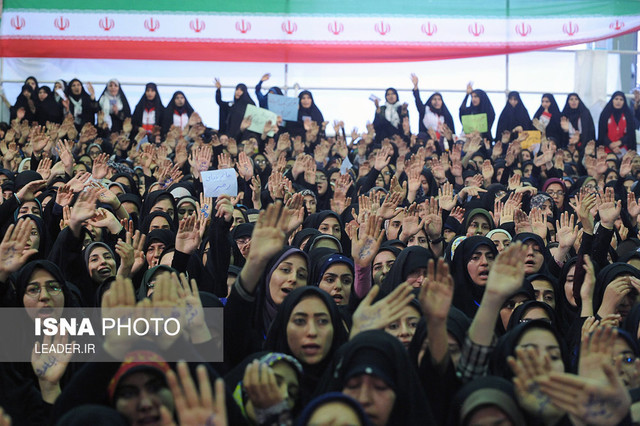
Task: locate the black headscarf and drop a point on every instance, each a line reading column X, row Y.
column 145, row 104
column 23, row 102
column 328, row 398
column 580, row 118
column 117, row 119
column 237, row 110
column 299, row 238
column 553, row 129
column 512, row 117
column 172, row 109
column 146, row 222
column 629, row 139
column 525, row 237
column 507, row 347
column 467, row 294
column 606, row 276
column 382, row 355
column 48, row 109
column 313, row 111
column 24, row 276
column 277, row 340
column 408, row 261
column 484, row 107
column 519, row 312
column 154, row 197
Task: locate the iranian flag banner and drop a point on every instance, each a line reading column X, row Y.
column 305, row 30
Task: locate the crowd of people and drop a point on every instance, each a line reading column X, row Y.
column 393, row 277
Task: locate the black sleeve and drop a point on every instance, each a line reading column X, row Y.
column 219, row 255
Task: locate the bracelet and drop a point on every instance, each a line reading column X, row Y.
column 437, row 240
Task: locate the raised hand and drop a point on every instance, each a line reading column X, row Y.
column 538, row 223
column 12, row 249
column 388, row 208
column 377, row 316
column 261, row 385
column 245, row 166
column 529, row 368
column 366, row 241
column 567, row 232
column 100, row 169
column 507, row 272
column 600, row 402
column 436, row 292
column 432, row 218
column 50, row 367
column 27, row 192
column 84, row 209
column 294, row 211
column 118, row 302
column 446, row 199
column 195, row 406
column 609, row 209
column 125, row 250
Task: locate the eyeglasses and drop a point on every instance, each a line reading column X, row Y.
column 243, row 241
column 52, row 289
column 555, row 193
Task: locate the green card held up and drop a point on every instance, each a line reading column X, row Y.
column 259, row 116
column 474, row 122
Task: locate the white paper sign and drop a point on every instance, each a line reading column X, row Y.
column 345, row 166
column 220, row 182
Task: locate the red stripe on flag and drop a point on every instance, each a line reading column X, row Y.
column 261, row 52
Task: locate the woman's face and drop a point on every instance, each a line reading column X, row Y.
column 391, row 97
column 418, row 239
column 545, row 342
column 568, row 286
column 34, row 237
column 238, row 93
column 101, row 264
column 57, row 86
column 544, row 292
column 159, row 222
column 164, row 205
column 501, row 240
column 179, row 100
column 475, row 99
column 374, row 395
column 260, row 161
column 113, row 88
column 534, row 260
column 337, row 281
column 150, row 93
column 330, row 226
column 310, row 203
column 526, row 155
column 29, row 207
column 238, row 218
column 404, row 328
column 612, row 176
column 489, row 415
column 334, row 413
column 185, row 210
column 513, row 101
column 415, row 277
column 31, row 82
column 628, row 371
column 528, row 169
column 574, row 102
column 546, row 103
column 305, row 101
column 480, row 264
column 436, row 102
column 310, row 331
column 322, row 183
column 382, row 263
column 140, row 395
column 556, row 192
column 424, row 182
column 478, row 225
column 42, row 94
column 618, row 102
column 290, row 274
column 76, row 87
column 44, row 295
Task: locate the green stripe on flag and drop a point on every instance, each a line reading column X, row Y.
column 413, row 8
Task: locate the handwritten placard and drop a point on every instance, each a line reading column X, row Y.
column 474, row 122
column 283, row 106
column 259, row 117
column 220, row 182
